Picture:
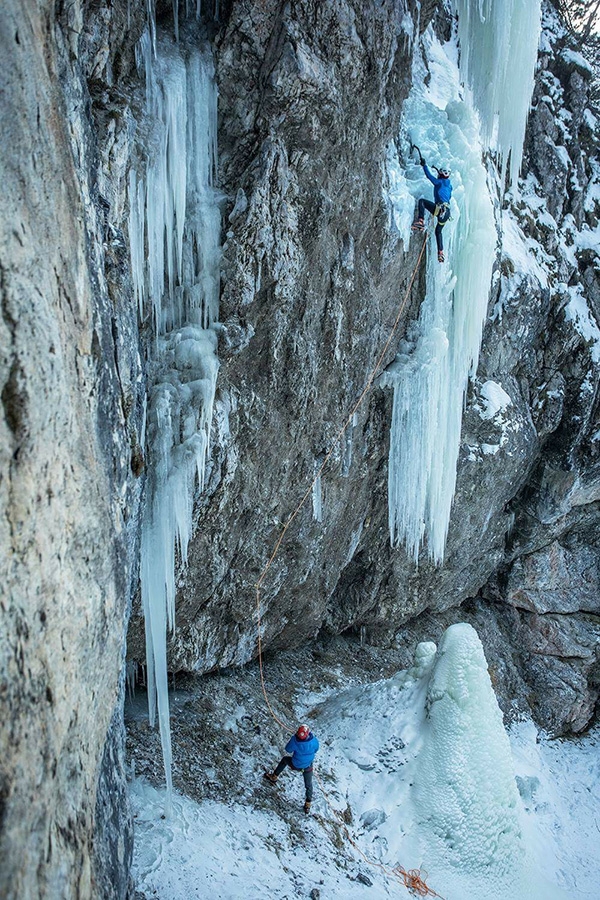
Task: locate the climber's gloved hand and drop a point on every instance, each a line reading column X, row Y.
column 423, row 163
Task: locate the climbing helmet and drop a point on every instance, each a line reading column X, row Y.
column 303, row 732
column 444, row 173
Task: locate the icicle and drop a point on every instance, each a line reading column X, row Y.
column 176, row 19
column 205, row 227
column 144, row 421
column 348, row 441
column 347, row 458
column 131, row 673
column 136, row 237
column 173, row 208
column 499, row 44
column 317, row 497
column 151, row 14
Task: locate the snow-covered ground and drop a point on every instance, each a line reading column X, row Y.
column 423, row 772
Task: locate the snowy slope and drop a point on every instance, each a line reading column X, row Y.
column 423, row 771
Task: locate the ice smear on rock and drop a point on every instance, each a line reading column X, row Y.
column 465, row 786
column 499, row 42
column 174, row 231
column 432, row 369
column 498, row 52
column 317, row 495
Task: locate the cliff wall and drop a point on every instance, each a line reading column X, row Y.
column 311, row 96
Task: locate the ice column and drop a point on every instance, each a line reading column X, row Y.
column 465, row 782
column 431, row 372
column 174, row 231
column 499, row 43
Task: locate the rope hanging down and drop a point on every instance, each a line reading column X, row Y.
column 411, row 879
column 308, row 491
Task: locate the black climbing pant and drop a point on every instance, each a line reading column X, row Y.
column 308, row 774
column 442, row 218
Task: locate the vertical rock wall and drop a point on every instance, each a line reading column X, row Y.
column 548, row 356
column 68, row 498
column 310, row 98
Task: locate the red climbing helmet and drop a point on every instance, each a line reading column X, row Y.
column 303, row 732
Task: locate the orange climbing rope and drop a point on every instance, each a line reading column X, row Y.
column 412, row 878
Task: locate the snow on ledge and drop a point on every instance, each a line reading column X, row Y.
column 573, row 58
column 522, row 251
column 494, row 398
column 578, row 312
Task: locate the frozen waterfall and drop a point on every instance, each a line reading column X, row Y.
column 174, row 232
column 432, row 369
column 498, row 43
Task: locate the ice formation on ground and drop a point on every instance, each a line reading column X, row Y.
column 465, row 786
column 432, row 369
column 387, row 751
column 498, row 46
column 174, row 231
column 441, row 785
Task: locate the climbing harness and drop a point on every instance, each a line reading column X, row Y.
column 412, row 878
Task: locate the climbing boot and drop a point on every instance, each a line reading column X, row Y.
column 440, row 256
column 307, row 807
column 270, row 777
column 418, row 225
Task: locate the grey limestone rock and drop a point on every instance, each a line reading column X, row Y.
column 69, row 384
column 310, row 96
column 310, row 99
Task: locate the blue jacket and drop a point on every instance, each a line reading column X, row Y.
column 303, row 752
column 442, row 187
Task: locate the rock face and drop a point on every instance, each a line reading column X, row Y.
column 310, row 99
column 545, row 347
column 68, row 496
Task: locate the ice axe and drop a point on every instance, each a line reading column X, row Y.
column 421, row 160
column 414, row 147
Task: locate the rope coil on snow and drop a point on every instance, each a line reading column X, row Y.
column 411, row 879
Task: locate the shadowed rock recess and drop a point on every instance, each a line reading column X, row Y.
column 310, row 98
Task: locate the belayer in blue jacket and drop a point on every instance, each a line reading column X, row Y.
column 303, row 745
column 442, row 191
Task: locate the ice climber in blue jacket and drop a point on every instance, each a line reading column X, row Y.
column 303, row 745
column 442, row 191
